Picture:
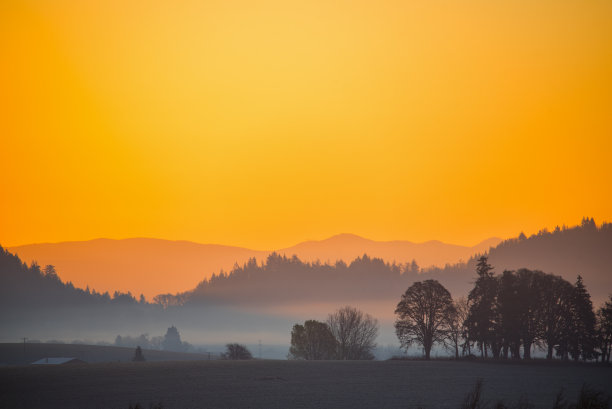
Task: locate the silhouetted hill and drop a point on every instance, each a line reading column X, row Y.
column 35, row 300
column 348, row 247
column 32, row 287
column 584, row 250
column 148, row 266
column 144, row 266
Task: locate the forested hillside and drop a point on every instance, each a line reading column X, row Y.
column 584, row 250
column 32, row 286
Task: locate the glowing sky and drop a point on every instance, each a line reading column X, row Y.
column 265, row 123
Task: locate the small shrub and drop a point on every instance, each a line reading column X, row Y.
column 588, row 398
column 236, row 352
column 472, row 400
column 592, row 399
column 560, row 402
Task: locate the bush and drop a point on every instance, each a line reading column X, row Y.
column 236, row 352
column 588, row 398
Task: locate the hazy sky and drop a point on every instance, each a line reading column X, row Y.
column 264, row 123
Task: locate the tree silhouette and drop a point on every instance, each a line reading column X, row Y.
column 581, row 333
column 529, row 292
column 424, row 314
column 49, row 272
column 554, row 311
column 236, row 352
column 604, row 330
column 172, row 340
column 457, row 331
column 312, row 341
column 355, row 333
column 481, row 318
column 138, row 356
column 508, row 309
column 519, row 309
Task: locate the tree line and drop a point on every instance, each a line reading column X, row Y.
column 348, row 334
column 505, row 316
column 171, row 341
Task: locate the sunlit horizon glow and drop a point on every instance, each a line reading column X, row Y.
column 264, row 124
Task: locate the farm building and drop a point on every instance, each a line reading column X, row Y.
column 58, row 361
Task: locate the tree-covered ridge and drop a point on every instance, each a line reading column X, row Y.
column 581, row 250
column 287, row 279
column 584, row 250
column 32, row 286
column 567, row 252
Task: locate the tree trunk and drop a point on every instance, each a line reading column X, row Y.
column 495, row 350
column 526, row 350
column 427, row 344
column 549, row 354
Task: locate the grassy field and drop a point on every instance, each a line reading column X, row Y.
column 17, row 354
column 290, row 384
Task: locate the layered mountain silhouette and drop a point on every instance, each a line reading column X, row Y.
column 154, row 266
column 584, row 250
column 270, row 293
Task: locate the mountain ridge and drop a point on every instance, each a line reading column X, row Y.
column 143, row 265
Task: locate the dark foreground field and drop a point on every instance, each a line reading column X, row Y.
column 289, row 384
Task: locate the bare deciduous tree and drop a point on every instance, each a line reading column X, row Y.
column 355, row 333
column 457, row 331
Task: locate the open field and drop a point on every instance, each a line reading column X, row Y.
column 16, row 354
column 290, row 384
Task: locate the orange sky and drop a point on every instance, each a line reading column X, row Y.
column 265, row 123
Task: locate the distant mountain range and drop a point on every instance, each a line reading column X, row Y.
column 154, row 266
column 267, row 298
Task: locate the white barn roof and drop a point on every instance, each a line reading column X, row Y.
column 56, row 361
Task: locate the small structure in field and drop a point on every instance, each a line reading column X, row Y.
column 58, row 361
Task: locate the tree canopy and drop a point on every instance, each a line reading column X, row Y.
column 312, row 341
column 236, row 352
column 424, row 314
